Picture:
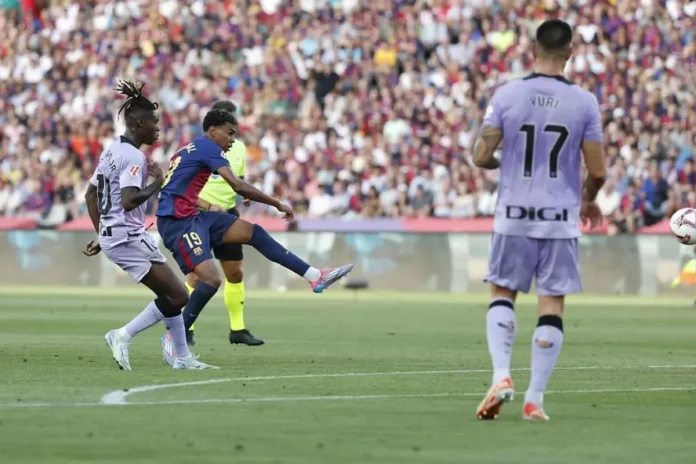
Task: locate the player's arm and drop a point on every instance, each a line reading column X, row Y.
column 208, row 206
column 489, row 136
column 593, row 154
column 92, row 205
column 133, row 196
column 247, row 190
column 92, row 200
column 486, row 143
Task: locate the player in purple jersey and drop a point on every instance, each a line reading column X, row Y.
column 544, row 123
column 190, row 234
column 116, row 200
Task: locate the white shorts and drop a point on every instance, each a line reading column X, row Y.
column 136, row 256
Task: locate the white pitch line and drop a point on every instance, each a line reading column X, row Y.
column 119, row 396
column 290, row 399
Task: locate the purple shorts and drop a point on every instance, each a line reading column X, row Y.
column 135, row 256
column 515, row 260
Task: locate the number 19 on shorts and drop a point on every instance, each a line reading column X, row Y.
column 192, row 239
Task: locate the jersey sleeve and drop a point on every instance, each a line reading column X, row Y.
column 214, row 158
column 131, row 171
column 593, row 126
column 494, row 111
column 93, row 180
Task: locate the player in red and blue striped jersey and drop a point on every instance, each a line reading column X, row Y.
column 190, row 233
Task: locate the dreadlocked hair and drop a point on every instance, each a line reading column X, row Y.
column 136, row 100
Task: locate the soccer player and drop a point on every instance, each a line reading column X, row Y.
column 190, row 233
column 544, row 123
column 217, row 195
column 116, row 200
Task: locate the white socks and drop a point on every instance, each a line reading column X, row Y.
column 546, row 346
column 312, row 275
column 150, row 316
column 175, row 326
column 501, row 329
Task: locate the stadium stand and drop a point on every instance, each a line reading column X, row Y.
column 348, row 107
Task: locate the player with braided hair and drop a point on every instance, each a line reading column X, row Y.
column 116, row 200
column 136, row 101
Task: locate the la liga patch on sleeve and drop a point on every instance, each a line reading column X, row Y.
column 134, row 170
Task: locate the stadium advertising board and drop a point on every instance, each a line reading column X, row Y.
column 398, row 261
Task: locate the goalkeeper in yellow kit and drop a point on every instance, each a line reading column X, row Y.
column 217, row 195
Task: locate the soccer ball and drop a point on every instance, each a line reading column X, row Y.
column 683, row 226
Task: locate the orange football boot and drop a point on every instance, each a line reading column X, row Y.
column 532, row 412
column 499, row 393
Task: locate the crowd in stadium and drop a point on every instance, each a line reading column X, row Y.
column 347, row 107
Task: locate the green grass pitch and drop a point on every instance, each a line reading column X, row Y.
column 626, row 392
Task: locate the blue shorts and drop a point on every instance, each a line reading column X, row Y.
column 191, row 239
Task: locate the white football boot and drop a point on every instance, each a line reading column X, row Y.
column 119, row 348
column 191, row 362
column 168, row 353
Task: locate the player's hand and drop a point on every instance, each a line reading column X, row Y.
column 590, row 212
column 246, row 202
column 217, row 208
column 288, row 213
column 155, row 170
column 92, row 249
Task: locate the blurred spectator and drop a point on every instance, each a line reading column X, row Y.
column 371, row 206
column 655, row 192
column 351, row 107
column 320, row 203
column 629, row 216
column 608, row 200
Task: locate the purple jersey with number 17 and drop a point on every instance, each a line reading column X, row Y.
column 544, row 120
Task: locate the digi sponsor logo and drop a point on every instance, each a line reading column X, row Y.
column 543, row 343
column 508, row 326
column 533, row 213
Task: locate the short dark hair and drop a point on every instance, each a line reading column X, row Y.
column 554, row 36
column 225, row 105
column 218, row 117
column 136, row 100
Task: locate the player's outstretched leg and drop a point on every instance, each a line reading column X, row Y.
column 206, row 284
column 501, row 329
column 546, row 346
column 171, row 297
column 242, row 231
